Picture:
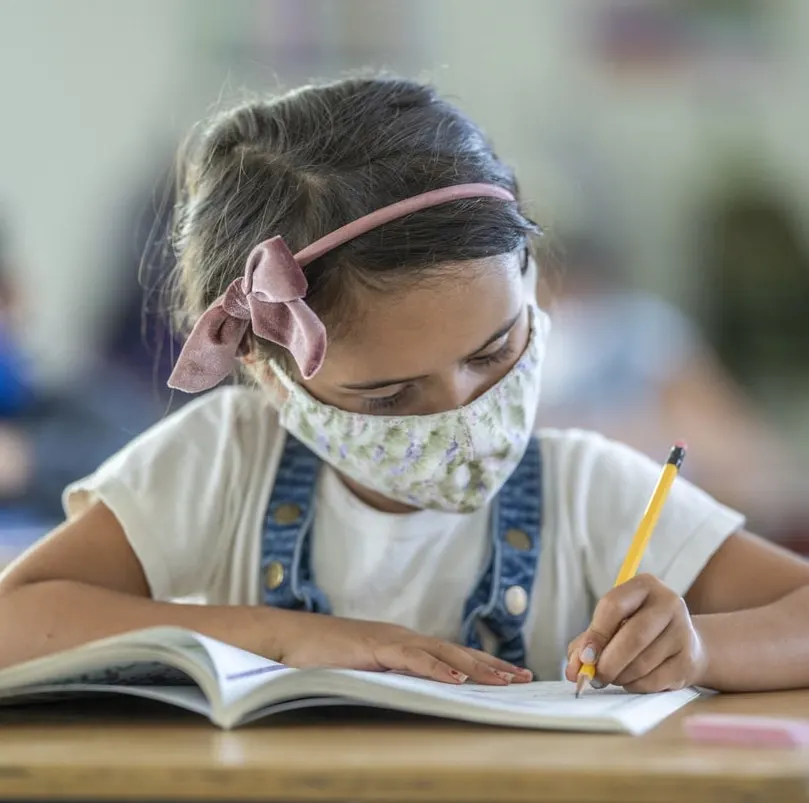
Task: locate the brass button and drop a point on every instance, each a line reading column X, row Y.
column 518, row 539
column 516, row 600
column 287, row 513
column 275, row 575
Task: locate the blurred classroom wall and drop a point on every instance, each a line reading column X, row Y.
column 634, row 121
column 91, row 92
column 96, row 92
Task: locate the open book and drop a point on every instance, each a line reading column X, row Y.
column 231, row 687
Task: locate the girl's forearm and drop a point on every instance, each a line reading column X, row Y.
column 43, row 618
column 760, row 649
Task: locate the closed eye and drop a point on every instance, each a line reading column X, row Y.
column 378, row 403
column 500, row 355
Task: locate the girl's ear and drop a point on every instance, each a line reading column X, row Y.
column 254, row 368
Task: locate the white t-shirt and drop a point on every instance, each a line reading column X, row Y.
column 191, row 495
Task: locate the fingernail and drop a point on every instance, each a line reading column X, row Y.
column 459, row 676
column 588, row 655
column 597, row 684
column 507, row 676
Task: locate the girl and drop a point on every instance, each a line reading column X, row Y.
column 361, row 251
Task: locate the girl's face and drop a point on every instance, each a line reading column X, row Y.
column 432, row 346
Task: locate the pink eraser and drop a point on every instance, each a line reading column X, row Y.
column 732, row 729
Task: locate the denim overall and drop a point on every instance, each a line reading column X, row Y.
column 501, row 598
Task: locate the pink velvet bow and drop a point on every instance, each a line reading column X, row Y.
column 268, row 301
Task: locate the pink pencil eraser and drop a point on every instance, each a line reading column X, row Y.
column 731, row 729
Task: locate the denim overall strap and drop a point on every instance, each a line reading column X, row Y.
column 286, row 564
column 502, row 597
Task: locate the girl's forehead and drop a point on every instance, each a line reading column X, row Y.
column 424, row 326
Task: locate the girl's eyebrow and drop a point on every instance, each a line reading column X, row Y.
column 384, row 383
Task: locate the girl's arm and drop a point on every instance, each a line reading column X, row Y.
column 750, row 606
column 84, row 582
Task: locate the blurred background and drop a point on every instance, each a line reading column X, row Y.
column 661, row 145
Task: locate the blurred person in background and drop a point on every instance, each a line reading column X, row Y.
column 15, row 383
column 51, row 436
column 631, row 365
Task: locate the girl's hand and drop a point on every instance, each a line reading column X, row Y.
column 307, row 639
column 642, row 638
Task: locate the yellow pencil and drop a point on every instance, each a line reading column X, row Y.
column 642, row 536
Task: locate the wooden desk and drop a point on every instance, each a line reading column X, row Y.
column 48, row 754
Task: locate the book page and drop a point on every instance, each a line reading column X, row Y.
column 551, row 696
column 549, row 701
column 188, row 697
column 557, row 698
column 127, row 673
column 139, row 658
column 553, row 693
column 239, row 672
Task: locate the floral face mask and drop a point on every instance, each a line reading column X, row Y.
column 454, row 461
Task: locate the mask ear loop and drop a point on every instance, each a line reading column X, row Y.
column 276, row 384
column 281, row 375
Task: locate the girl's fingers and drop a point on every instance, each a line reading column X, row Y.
column 520, row 674
column 414, row 660
column 612, row 610
column 442, row 661
column 631, row 640
column 574, row 662
column 472, row 663
column 662, row 648
column 665, row 677
column 451, row 663
column 575, row 645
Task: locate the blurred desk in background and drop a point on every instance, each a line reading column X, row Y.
column 102, row 751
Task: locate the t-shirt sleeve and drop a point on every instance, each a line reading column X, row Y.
column 173, row 491
column 616, row 483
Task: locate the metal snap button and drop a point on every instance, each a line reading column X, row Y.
column 518, row 539
column 286, row 513
column 275, row 575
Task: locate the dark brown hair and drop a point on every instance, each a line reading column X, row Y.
column 303, row 164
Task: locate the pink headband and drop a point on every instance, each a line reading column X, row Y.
column 269, row 299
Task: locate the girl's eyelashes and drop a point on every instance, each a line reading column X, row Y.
column 501, row 355
column 375, row 404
